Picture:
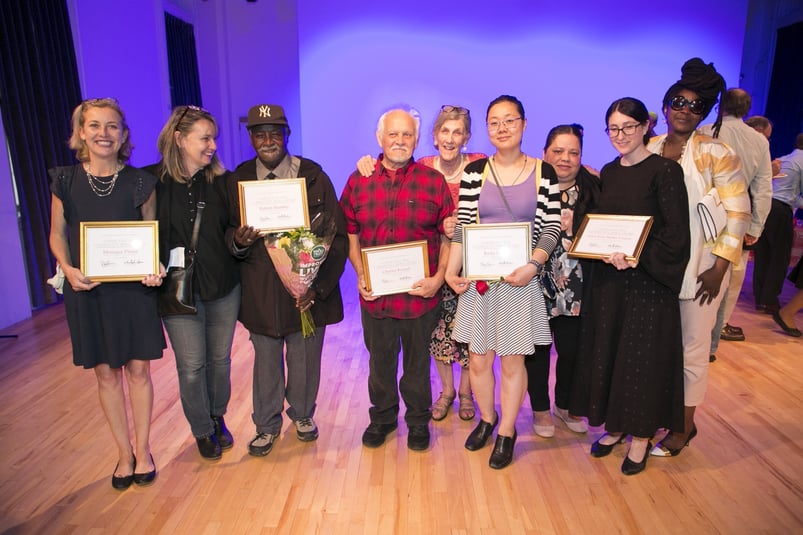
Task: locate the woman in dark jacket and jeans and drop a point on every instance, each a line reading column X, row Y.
column 190, row 170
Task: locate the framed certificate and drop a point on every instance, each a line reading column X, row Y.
column 117, row 251
column 492, row 251
column 274, row 205
column 600, row 235
column 393, row 269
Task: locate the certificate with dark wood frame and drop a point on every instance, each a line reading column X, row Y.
column 274, row 205
column 119, row 251
column 493, row 250
column 393, row 269
column 600, row 235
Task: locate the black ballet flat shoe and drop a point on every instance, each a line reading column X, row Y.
column 660, row 450
column 146, row 478
column 502, row 454
column 122, row 482
column 479, row 437
column 601, row 450
column 631, row 468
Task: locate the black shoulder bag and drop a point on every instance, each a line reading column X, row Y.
column 176, row 295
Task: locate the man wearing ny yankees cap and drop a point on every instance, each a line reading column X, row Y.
column 268, row 310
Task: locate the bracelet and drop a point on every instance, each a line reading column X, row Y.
column 538, row 266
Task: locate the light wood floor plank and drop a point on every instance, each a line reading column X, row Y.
column 742, row 474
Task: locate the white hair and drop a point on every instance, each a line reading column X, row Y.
column 409, row 110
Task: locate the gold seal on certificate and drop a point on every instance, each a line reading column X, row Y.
column 274, row 205
column 492, row 251
column 393, row 269
column 118, row 251
column 601, row 235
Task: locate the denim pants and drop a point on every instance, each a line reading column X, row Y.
column 303, row 377
column 202, row 344
column 383, row 339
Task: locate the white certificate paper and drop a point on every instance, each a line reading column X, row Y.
column 492, row 251
column 274, row 205
column 600, row 235
column 116, row 251
column 393, row 269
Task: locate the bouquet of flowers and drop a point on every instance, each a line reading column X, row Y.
column 297, row 255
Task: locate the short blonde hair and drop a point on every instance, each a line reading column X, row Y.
column 79, row 145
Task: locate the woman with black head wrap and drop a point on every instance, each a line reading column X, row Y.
column 707, row 163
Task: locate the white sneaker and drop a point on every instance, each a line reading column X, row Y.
column 578, row 426
column 543, row 424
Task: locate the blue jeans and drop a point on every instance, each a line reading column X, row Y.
column 202, row 344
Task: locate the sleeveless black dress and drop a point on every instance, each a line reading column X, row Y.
column 116, row 321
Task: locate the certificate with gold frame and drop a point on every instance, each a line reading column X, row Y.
column 119, row 251
column 274, row 205
column 493, row 250
column 600, row 235
column 393, row 269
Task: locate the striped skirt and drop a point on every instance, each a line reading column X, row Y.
column 508, row 320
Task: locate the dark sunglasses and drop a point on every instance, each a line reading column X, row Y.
column 696, row 106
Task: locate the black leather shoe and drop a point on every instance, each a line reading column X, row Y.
column 418, row 437
column 479, row 437
column 146, row 478
column 222, row 434
column 503, row 451
column 601, row 450
column 208, row 447
column 631, row 468
column 375, row 434
column 123, row 482
column 660, row 450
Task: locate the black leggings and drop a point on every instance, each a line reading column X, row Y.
column 566, row 334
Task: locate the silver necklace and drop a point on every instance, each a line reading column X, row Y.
column 102, row 187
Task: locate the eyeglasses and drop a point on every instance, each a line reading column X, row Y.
column 696, row 106
column 273, row 134
column 628, row 130
column 448, row 108
column 509, row 124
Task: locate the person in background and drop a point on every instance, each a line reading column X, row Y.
column 707, row 163
column 629, row 374
column 579, row 191
column 508, row 317
column 773, row 251
column 763, row 126
column 190, row 172
column 753, row 150
column 450, row 133
column 269, row 312
column 785, row 317
column 401, row 201
column 114, row 326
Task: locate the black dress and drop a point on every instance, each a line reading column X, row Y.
column 630, row 369
column 116, row 321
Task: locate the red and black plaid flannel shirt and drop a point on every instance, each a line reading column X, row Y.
column 390, row 207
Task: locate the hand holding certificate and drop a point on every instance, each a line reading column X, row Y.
column 600, row 236
column 274, row 205
column 392, row 269
column 117, row 251
column 493, row 251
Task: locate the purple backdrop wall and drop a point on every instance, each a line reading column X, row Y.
column 565, row 61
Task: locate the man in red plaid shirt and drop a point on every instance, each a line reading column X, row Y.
column 402, row 201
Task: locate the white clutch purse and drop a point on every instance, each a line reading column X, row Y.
column 713, row 216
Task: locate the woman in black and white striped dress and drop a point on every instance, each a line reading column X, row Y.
column 507, row 317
